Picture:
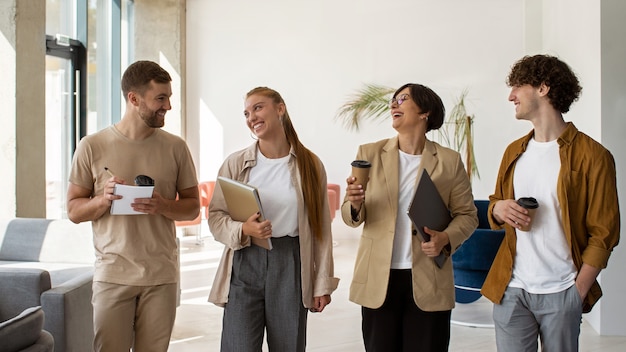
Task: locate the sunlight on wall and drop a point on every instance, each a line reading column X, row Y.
column 173, row 121
column 7, row 133
column 211, row 141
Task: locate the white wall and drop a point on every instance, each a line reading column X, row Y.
column 612, row 310
column 579, row 46
column 317, row 53
column 586, row 34
column 8, row 45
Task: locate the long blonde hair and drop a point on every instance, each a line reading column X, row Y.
column 307, row 164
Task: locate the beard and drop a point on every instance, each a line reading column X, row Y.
column 151, row 118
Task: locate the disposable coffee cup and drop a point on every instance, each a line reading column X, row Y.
column 361, row 171
column 531, row 205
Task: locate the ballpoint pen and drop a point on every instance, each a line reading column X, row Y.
column 108, row 171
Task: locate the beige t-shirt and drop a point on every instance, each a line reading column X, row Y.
column 134, row 249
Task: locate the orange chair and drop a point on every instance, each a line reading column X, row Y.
column 333, row 199
column 208, row 194
column 205, row 190
column 210, row 187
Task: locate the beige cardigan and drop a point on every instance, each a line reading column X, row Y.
column 433, row 288
column 316, row 256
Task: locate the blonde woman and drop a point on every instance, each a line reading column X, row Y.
column 263, row 290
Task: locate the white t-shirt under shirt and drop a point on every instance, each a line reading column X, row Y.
column 402, row 257
column 543, row 262
column 278, row 196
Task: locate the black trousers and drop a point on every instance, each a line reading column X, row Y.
column 400, row 326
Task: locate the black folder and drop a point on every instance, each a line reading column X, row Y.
column 428, row 209
column 242, row 201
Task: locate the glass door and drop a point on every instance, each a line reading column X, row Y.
column 59, row 118
column 65, row 117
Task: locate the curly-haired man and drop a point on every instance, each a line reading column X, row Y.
column 543, row 279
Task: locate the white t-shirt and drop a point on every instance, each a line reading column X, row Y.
column 278, row 195
column 543, row 262
column 402, row 257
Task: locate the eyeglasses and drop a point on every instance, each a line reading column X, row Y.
column 400, row 99
column 143, row 180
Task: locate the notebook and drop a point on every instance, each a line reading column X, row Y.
column 242, row 201
column 129, row 194
column 428, row 209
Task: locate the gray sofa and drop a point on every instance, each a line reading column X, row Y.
column 49, row 263
column 22, row 330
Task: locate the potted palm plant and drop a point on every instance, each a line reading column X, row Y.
column 372, row 102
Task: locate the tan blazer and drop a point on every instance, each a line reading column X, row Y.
column 433, row 288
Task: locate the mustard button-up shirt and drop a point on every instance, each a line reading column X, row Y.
column 587, row 194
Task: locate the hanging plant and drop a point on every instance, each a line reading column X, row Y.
column 372, row 103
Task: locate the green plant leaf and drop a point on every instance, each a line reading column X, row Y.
column 463, row 134
column 370, row 102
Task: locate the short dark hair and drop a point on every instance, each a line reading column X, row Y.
column 139, row 74
column 428, row 101
column 549, row 70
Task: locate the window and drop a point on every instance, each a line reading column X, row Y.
column 85, row 50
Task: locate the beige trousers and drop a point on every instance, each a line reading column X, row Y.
column 137, row 317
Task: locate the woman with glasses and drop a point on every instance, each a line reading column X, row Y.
column 406, row 297
column 273, row 289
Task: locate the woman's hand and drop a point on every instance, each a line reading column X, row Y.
column 438, row 240
column 252, row 227
column 319, row 303
column 355, row 193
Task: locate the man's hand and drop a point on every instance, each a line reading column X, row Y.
column 508, row 211
column 154, row 205
column 109, row 189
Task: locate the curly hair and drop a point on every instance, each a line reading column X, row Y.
column 549, row 70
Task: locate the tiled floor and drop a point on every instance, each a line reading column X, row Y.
column 198, row 323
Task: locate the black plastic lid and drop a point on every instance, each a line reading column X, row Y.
column 361, row 163
column 528, row 202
